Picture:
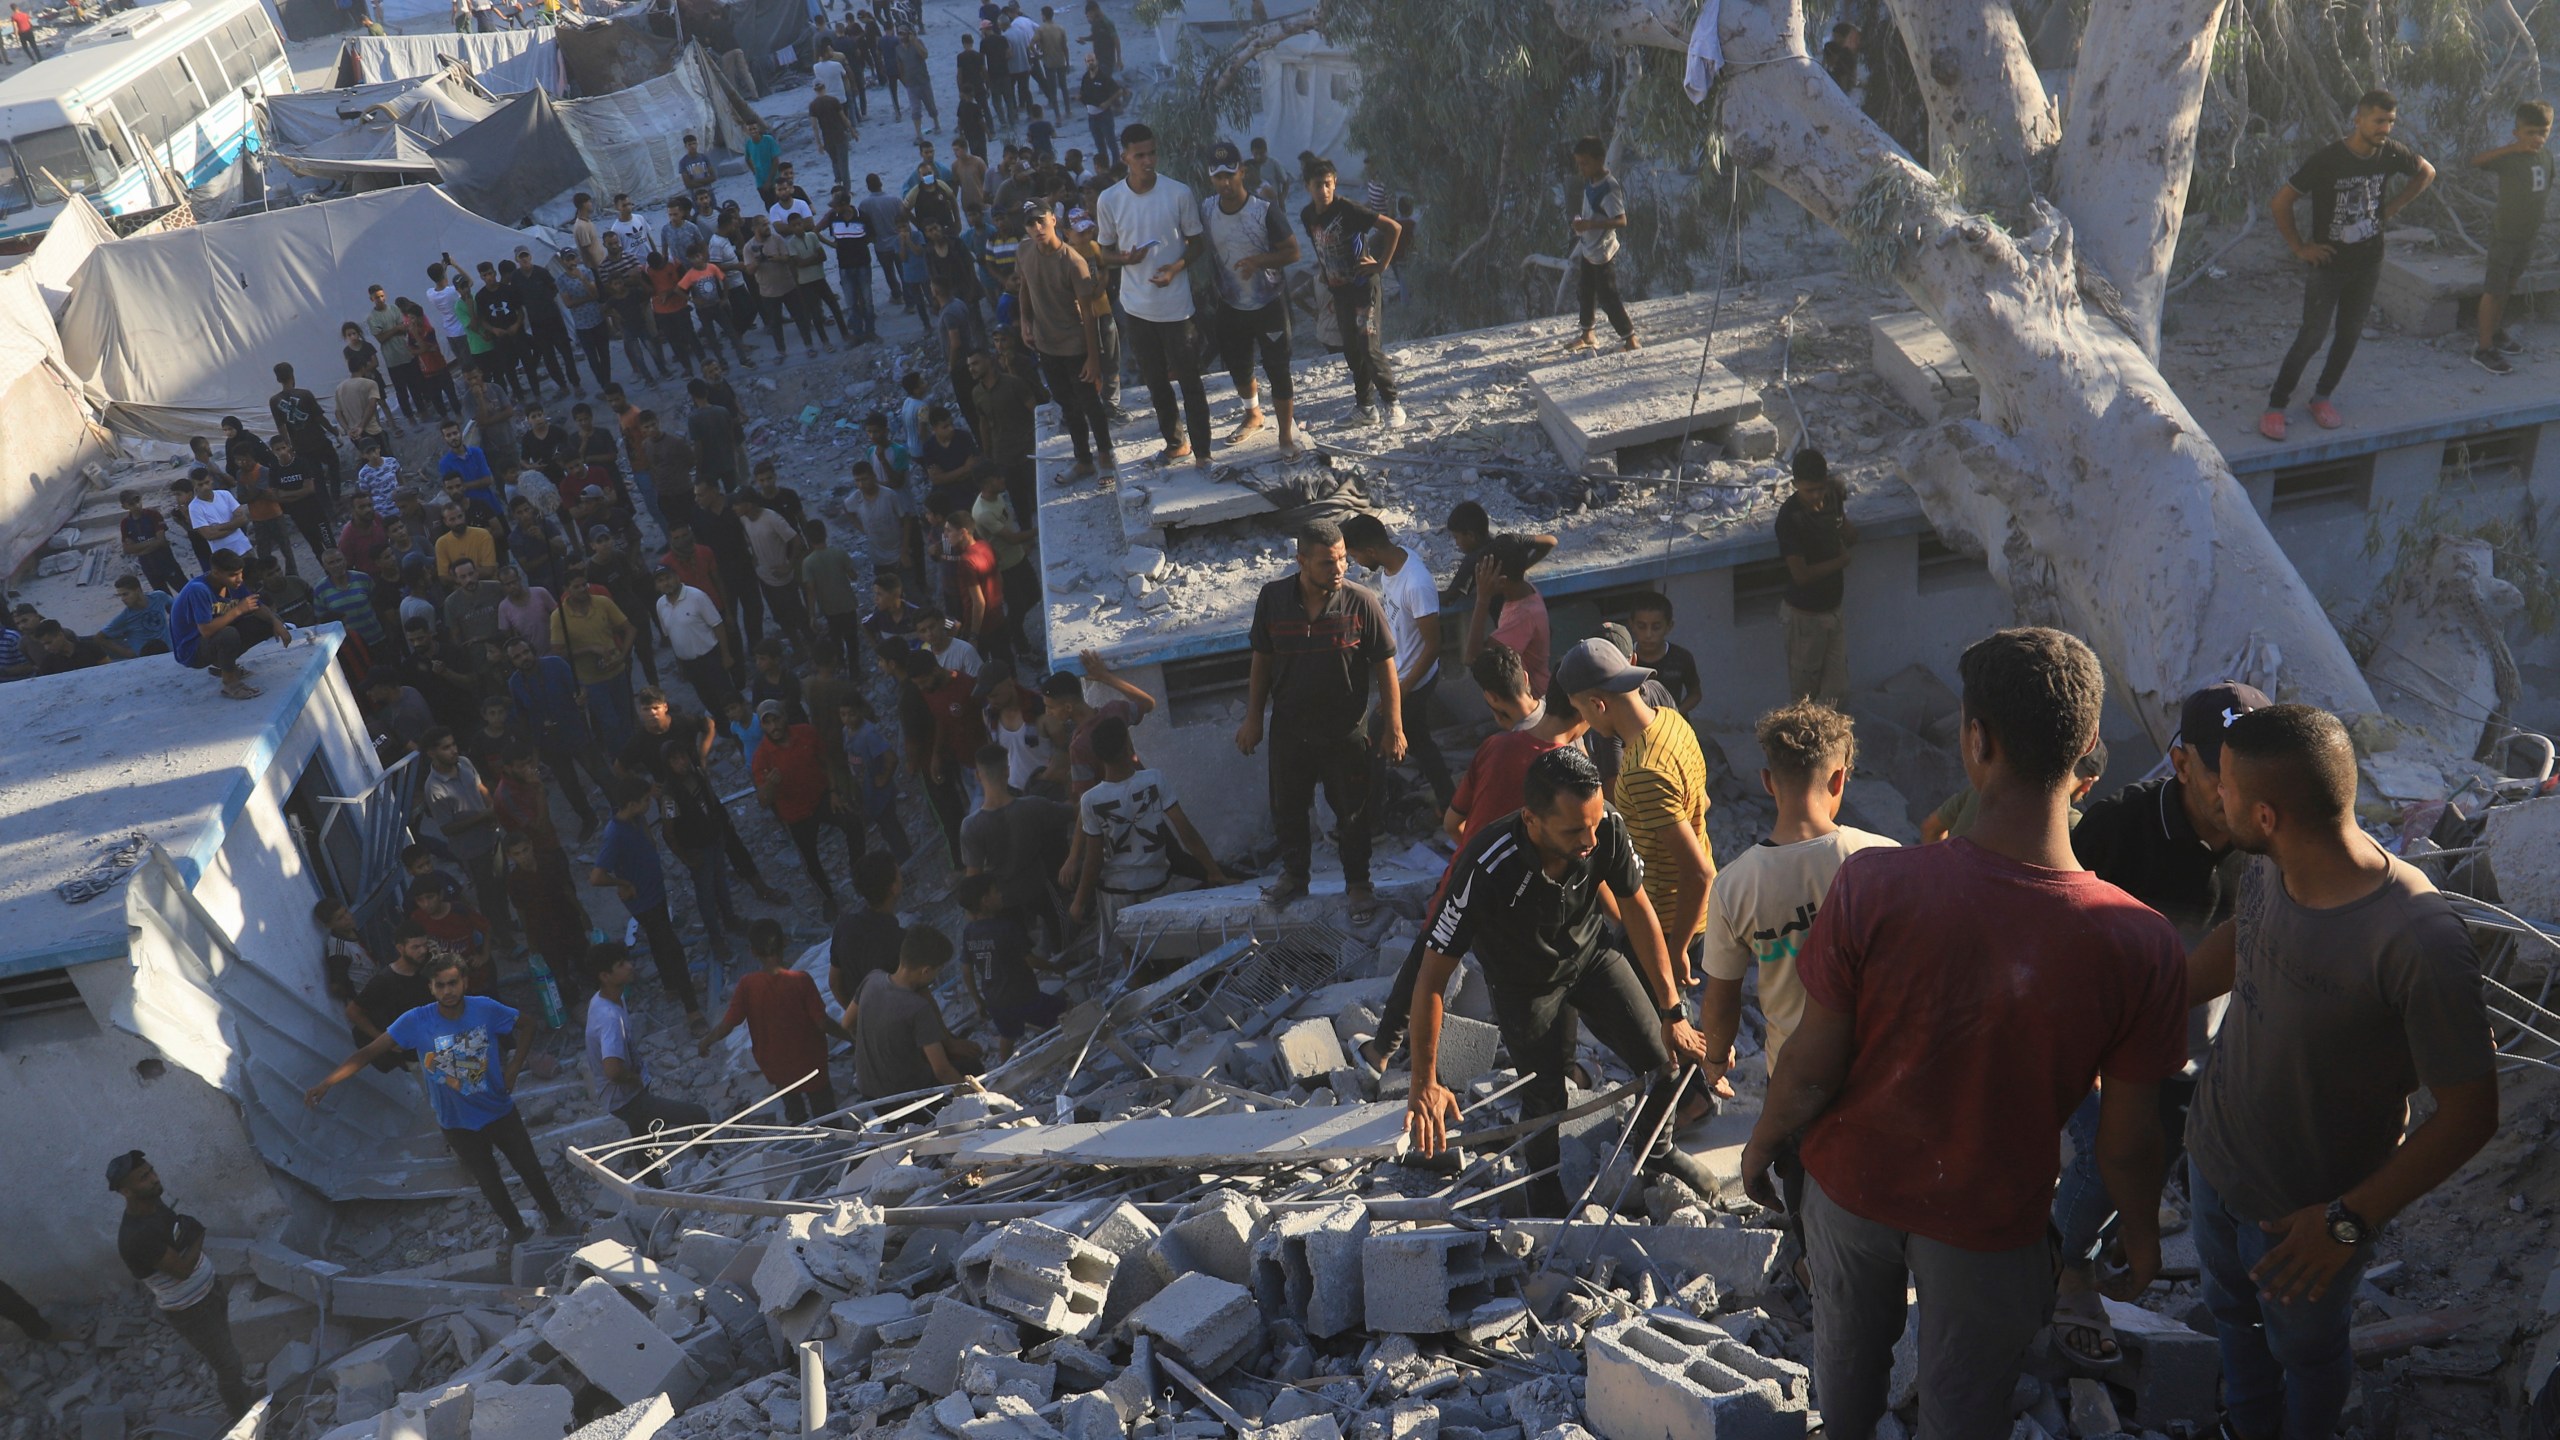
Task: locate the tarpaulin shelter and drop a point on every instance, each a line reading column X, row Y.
column 632, row 138
column 47, row 435
column 506, row 165
column 608, row 55
column 504, row 61
column 374, row 130
column 170, row 332
column 762, row 27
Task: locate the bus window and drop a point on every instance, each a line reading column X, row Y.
column 249, row 48
column 13, row 190
column 208, row 70
column 107, row 152
column 48, row 156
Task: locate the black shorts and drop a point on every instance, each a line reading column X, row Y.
column 2508, row 256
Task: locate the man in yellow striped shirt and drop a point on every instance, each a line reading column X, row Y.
column 1661, row 791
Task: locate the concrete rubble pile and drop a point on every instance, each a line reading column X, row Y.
column 1187, row 1212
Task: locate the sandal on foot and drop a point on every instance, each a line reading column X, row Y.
column 2082, row 1333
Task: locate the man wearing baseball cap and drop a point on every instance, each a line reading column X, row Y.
column 165, row 1251
column 2164, row 843
column 1252, row 244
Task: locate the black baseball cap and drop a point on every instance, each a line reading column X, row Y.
column 2210, row 711
column 121, row 1168
column 1223, row 157
column 1596, row 664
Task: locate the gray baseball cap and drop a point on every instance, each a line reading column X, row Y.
column 1598, row 665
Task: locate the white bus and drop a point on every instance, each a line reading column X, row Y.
column 154, row 87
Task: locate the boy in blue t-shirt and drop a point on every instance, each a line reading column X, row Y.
column 465, row 1043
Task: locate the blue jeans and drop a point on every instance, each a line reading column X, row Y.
column 2083, row 1212
column 2286, row 1366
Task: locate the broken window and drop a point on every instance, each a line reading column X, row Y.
column 2485, row 462
column 2314, row 492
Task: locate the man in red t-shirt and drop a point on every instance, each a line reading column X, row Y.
column 1960, row 999
column 977, row 586
column 787, row 1026
column 1488, row 791
column 790, row 774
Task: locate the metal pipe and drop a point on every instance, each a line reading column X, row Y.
column 813, row 1387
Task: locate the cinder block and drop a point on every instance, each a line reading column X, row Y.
column 813, row 1261
column 368, row 1378
column 1467, row 1049
column 988, row 1375
column 703, row 1254
column 598, row 1330
column 1119, row 1227
column 1422, row 1282
column 533, row 1260
column 950, row 1329
column 640, row 1421
column 2176, row 1376
column 1206, row 1323
column 1213, row 1236
column 435, row 1415
column 1646, row 1385
column 500, row 1411
column 651, row 1286
column 1310, row 1052
column 1738, row 1256
column 857, row 1325
column 1307, row 1267
column 1040, row 1274
column 1752, row 439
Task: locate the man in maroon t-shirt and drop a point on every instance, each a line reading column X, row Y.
column 977, row 586
column 1961, row 997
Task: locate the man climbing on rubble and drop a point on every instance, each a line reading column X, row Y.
column 1661, row 790
column 1929, row 1154
column 900, row 1044
column 2353, row 983
column 472, row 1056
column 164, row 1249
column 2345, row 180
column 2164, row 843
column 1525, row 898
column 1320, row 643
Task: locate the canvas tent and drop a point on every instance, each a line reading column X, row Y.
column 505, row 61
column 506, row 165
column 632, row 138
column 608, row 55
column 170, row 332
column 47, row 435
column 374, row 130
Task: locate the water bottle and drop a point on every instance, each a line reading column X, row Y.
column 554, row 1013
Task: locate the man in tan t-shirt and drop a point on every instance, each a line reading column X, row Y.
column 1061, row 301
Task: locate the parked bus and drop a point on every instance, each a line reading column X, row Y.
column 163, row 87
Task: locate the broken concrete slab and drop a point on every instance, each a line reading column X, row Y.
column 1310, row 1052
column 1423, row 1282
column 500, row 1411
column 1594, row 407
column 650, row 1285
column 1118, row 1227
column 1467, row 1050
column 1738, row 1256
column 1307, row 1266
column 2424, row 291
column 1920, row 365
column 1213, row 1235
column 1040, row 1274
column 368, row 1378
column 812, row 1261
column 1310, row 1133
column 1206, row 1323
column 443, row 1414
column 1178, row 498
column 951, row 1328
column 597, row 1329
column 639, row 1421
column 703, row 1254
column 1644, row 1384
column 988, row 1376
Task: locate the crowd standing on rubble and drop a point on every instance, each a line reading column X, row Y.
column 2216, row 965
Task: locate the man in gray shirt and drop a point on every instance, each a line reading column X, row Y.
column 900, row 1044
column 2353, row 984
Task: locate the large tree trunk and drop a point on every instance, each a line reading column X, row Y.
column 2093, row 494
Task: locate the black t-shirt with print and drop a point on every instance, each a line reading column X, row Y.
column 1336, row 229
column 2346, row 196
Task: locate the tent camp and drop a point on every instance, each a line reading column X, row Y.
column 170, row 332
column 47, row 436
column 506, row 61
column 633, row 138
column 381, row 130
column 506, row 165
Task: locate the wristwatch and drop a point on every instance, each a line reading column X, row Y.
column 2346, row 1226
column 1669, row 1013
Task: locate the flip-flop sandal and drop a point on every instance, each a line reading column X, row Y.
column 1363, row 910
column 241, row 692
column 2085, row 1314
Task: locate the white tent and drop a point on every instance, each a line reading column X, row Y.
column 633, row 138
column 505, row 61
column 171, row 332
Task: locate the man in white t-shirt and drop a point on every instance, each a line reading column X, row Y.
column 1132, row 824
column 217, row 516
column 701, row 642
column 1412, row 602
column 1764, row 900
column 1148, row 228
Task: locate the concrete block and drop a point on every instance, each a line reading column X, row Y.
column 1307, row 1267
column 1213, row 1236
column 2176, row 1373
column 1423, row 1282
column 1206, row 1323
column 1042, row 1275
column 500, row 1411
column 368, row 1378
column 1310, row 1051
column 703, row 1254
column 1644, row 1384
column 857, row 1325
column 533, row 1260
column 2093, row 1410
column 1597, row 406
column 1755, row 438
column 1540, row 1405
column 651, row 1286
column 1091, row 1417
column 1305, row 1427
column 639, row 1421
column 1117, row 1226
column 813, row 1261
column 950, row 1329
column 261, row 1324
column 1467, row 1050
column 1738, row 1256
column 986, row 1375
column 598, row 1330
column 1920, row 365
column 1181, row 500
column 435, row 1415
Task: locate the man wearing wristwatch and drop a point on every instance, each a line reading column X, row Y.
column 2353, row 983
column 1525, row 897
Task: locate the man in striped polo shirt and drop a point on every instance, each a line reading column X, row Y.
column 1661, row 790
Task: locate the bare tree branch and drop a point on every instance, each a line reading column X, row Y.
column 1230, row 69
